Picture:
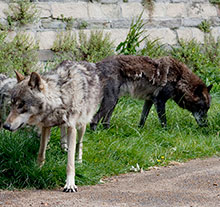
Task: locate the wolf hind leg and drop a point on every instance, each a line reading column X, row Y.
column 145, row 112
column 70, row 170
column 107, row 118
column 45, row 136
column 79, row 146
column 161, row 112
column 107, row 105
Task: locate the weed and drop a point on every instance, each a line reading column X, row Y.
column 93, row 48
column 215, row 1
column 134, row 38
column 83, row 25
column 153, row 49
column 202, row 59
column 205, row 26
column 20, row 54
column 21, row 12
column 68, row 20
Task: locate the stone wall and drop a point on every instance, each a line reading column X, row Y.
column 170, row 19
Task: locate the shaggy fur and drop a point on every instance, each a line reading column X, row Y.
column 6, row 84
column 66, row 96
column 154, row 81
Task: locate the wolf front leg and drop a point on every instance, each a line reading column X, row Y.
column 70, row 171
column 63, row 140
column 45, row 136
column 80, row 133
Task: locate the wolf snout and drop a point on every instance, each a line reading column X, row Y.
column 7, row 126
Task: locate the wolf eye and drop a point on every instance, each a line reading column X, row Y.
column 21, row 105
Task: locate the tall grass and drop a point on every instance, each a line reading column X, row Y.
column 113, row 151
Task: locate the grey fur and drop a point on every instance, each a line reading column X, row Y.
column 6, row 84
column 67, row 96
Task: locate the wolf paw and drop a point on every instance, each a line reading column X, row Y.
column 40, row 162
column 70, row 189
column 64, row 147
column 93, row 126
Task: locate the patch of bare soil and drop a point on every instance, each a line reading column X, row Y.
column 195, row 183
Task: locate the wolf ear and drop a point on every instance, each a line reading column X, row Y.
column 19, row 76
column 198, row 91
column 209, row 87
column 35, row 81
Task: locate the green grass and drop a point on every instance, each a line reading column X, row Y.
column 113, row 151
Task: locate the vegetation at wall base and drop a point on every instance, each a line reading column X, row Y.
column 20, row 54
column 21, row 12
column 92, row 48
column 134, row 37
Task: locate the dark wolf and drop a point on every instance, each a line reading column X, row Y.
column 152, row 80
column 67, row 96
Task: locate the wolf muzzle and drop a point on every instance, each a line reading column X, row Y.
column 7, row 126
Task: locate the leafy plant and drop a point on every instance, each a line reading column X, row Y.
column 134, row 38
column 20, row 54
column 21, row 12
column 68, row 20
column 205, row 26
column 202, row 59
column 93, row 48
column 215, row 1
column 153, row 49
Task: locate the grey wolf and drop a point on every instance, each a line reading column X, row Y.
column 67, row 96
column 6, row 85
column 152, row 80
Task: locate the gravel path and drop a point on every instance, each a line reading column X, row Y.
column 192, row 184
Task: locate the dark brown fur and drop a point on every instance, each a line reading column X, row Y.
column 153, row 80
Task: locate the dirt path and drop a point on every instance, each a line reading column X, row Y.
column 196, row 184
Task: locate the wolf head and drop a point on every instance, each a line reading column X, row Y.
column 198, row 102
column 25, row 104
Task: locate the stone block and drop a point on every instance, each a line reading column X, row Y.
column 121, row 23
column 44, row 10
column 162, row 23
column 188, row 34
column 75, row 10
column 216, row 33
column 201, row 10
column 111, row 11
column 159, row 10
column 46, row 39
column 93, row 24
column 191, row 22
column 176, row 10
column 52, row 24
column 131, row 10
column 3, row 8
column 45, row 55
column 165, row 35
